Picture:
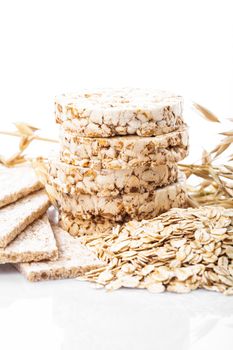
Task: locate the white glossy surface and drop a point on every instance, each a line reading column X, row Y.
column 72, row 315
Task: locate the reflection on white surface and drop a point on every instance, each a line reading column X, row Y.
column 71, row 315
column 28, row 324
column 212, row 330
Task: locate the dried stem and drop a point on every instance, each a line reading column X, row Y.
column 27, row 134
column 17, row 134
column 216, row 181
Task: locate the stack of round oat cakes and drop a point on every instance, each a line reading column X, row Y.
column 119, row 150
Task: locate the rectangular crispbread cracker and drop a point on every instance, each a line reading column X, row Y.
column 15, row 217
column 35, row 243
column 74, row 259
column 16, row 183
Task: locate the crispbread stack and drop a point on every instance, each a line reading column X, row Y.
column 118, row 158
column 27, row 239
column 25, row 232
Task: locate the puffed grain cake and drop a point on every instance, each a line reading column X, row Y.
column 123, row 207
column 35, row 243
column 17, row 182
column 127, row 111
column 123, row 152
column 77, row 226
column 15, row 217
column 74, row 260
column 76, row 180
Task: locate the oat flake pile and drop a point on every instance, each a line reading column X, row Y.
column 179, row 251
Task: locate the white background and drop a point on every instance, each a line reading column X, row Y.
column 49, row 47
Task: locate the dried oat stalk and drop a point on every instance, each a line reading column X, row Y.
column 205, row 113
column 179, row 251
column 216, row 185
column 27, row 134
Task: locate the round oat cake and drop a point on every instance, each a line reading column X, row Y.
column 123, row 151
column 77, row 226
column 75, row 180
column 126, row 111
column 137, row 206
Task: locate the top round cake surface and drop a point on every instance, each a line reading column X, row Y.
column 121, row 99
column 126, row 111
